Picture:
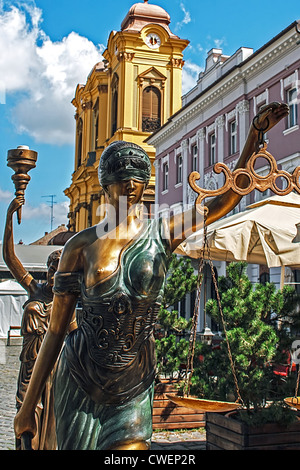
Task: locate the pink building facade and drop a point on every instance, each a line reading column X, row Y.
column 214, row 120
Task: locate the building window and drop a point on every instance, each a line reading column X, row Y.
column 114, row 103
column 165, row 176
column 292, row 103
column 194, row 158
column 264, row 278
column 212, row 149
column 79, row 142
column 296, row 274
column 179, row 169
column 151, row 109
column 96, row 130
column 182, row 308
column 233, row 138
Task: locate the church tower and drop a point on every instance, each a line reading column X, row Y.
column 129, row 95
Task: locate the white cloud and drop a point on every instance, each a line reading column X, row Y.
column 35, row 220
column 219, row 43
column 186, row 19
column 215, row 42
column 5, row 195
column 190, row 74
column 43, row 213
column 43, row 72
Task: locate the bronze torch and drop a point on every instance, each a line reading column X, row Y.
column 21, row 160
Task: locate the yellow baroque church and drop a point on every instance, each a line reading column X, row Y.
column 127, row 96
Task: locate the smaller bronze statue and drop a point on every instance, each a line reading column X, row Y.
column 35, row 320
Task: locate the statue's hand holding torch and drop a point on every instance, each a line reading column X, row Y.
column 21, row 160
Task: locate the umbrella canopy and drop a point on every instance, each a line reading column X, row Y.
column 11, row 287
column 262, row 234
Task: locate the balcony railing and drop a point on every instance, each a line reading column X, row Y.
column 150, row 124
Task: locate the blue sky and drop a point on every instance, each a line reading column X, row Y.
column 48, row 46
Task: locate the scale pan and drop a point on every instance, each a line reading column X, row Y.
column 294, row 402
column 207, row 406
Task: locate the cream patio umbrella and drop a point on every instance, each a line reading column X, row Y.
column 262, row 234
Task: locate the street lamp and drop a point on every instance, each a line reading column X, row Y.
column 206, row 336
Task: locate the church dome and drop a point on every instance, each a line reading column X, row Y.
column 144, row 13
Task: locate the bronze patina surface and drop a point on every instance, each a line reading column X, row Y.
column 105, row 373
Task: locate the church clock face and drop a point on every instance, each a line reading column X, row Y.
column 153, row 40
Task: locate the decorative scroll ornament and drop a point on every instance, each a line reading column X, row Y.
column 244, row 180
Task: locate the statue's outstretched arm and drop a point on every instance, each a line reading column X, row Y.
column 62, row 313
column 12, row 261
column 185, row 224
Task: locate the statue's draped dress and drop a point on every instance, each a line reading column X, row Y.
column 35, row 321
column 104, row 379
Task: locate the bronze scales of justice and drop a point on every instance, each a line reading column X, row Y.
column 22, row 160
column 232, row 180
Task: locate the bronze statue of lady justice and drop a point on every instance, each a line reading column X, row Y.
column 104, row 378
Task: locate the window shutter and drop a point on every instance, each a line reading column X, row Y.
column 151, row 108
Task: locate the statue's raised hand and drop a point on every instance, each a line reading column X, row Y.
column 15, row 204
column 269, row 115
